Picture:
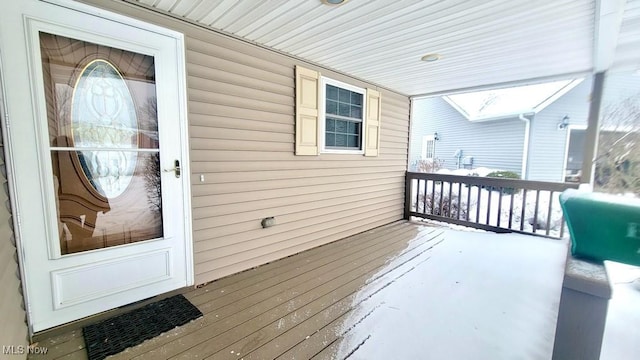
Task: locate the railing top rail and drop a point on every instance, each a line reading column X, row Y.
column 496, row 182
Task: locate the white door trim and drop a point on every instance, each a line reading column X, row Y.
column 12, row 139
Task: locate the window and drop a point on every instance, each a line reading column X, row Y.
column 428, row 147
column 334, row 117
column 343, row 117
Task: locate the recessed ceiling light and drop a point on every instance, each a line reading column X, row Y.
column 334, row 2
column 430, row 57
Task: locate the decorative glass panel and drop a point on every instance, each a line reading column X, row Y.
column 103, row 131
column 103, row 115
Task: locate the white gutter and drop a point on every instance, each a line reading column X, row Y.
column 525, row 150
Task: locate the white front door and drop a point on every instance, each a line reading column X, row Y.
column 96, row 133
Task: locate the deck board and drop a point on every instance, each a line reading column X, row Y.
column 310, row 305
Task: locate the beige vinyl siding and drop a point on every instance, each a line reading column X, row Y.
column 241, row 102
column 14, row 327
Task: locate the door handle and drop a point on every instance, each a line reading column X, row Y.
column 176, row 168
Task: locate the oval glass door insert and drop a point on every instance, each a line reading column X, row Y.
column 103, row 116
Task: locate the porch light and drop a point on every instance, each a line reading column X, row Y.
column 563, row 123
column 431, row 57
column 334, row 2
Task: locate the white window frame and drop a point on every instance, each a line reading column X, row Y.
column 324, row 81
column 565, row 162
column 425, row 140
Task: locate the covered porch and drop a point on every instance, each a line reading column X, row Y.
column 404, row 290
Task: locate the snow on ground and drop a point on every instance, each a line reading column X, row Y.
column 473, row 296
column 622, row 329
column 489, row 201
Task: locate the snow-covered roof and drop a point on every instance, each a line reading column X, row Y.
column 509, row 102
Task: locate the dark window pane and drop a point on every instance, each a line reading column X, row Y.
column 343, row 110
column 341, row 140
column 331, row 125
column 353, row 141
column 356, row 99
column 332, row 107
column 345, row 95
column 341, row 126
column 356, row 112
column 332, row 92
column 351, row 128
column 329, row 139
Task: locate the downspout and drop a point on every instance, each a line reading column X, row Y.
column 525, row 150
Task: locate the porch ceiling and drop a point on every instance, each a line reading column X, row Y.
column 480, row 42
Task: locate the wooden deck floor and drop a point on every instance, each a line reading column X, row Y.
column 271, row 311
column 314, row 305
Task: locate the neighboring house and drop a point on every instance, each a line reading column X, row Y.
column 499, row 142
column 556, row 133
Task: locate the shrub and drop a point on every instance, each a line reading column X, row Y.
column 428, row 166
column 503, row 175
column 442, row 209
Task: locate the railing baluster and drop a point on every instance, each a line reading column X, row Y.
column 418, row 194
column 490, row 192
column 549, row 212
column 511, row 211
column 500, row 205
column 459, row 199
column 535, row 212
column 450, row 193
column 562, row 227
column 433, row 195
column 478, row 205
column 468, row 202
column 426, row 196
column 524, row 206
column 441, row 196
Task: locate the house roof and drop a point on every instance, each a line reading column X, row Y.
column 509, row 102
column 479, row 43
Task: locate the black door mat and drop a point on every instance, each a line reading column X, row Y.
column 113, row 335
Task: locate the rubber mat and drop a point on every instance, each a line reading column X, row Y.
column 114, row 335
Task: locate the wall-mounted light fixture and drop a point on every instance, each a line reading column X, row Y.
column 563, row 123
column 436, row 136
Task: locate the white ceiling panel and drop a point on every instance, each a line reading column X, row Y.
column 481, row 43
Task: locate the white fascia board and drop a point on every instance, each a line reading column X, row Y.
column 608, row 20
column 458, row 108
column 557, row 95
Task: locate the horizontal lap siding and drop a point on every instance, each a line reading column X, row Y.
column 241, row 116
column 548, row 143
column 14, row 327
column 496, row 144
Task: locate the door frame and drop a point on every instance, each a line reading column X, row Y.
column 11, row 140
column 565, row 160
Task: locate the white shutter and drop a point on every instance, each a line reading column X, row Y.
column 307, row 82
column 372, row 122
